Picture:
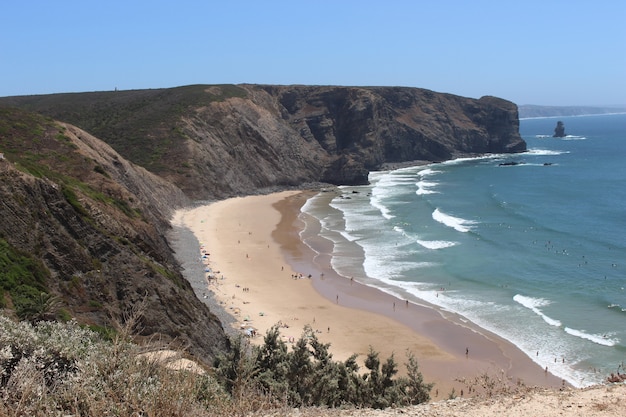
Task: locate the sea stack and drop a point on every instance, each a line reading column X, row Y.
column 559, row 130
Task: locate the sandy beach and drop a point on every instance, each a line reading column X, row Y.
column 261, row 274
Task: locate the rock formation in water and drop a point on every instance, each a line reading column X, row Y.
column 559, row 130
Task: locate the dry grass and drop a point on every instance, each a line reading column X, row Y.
column 62, row 369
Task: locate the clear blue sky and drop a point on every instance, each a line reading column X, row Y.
column 544, row 52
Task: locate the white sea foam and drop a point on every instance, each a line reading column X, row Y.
column 573, row 137
column 436, row 244
column 384, row 267
column 347, row 236
column 533, row 304
column 308, row 205
column 490, row 156
column 595, row 338
column 428, row 244
column 428, row 172
column 376, row 202
column 384, row 187
column 545, row 152
column 457, row 223
column 425, row 187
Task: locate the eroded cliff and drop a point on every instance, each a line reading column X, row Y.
column 219, row 141
column 83, row 236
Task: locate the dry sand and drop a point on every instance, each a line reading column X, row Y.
column 598, row 401
column 252, row 246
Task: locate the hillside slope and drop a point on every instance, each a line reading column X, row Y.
column 83, row 235
column 224, row 140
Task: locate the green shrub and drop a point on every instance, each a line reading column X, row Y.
column 24, row 278
column 63, row 315
column 307, row 375
column 72, row 199
column 100, row 170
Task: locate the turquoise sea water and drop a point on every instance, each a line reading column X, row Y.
column 534, row 252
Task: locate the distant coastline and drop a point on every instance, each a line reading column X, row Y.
column 528, row 111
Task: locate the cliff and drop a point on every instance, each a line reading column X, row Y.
column 224, row 140
column 82, row 236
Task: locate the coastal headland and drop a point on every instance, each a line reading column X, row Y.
column 258, row 271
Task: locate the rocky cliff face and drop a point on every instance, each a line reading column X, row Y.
column 96, row 225
column 373, row 126
column 218, row 141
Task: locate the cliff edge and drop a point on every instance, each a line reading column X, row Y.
column 225, row 140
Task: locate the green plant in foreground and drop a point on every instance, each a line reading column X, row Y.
column 307, row 375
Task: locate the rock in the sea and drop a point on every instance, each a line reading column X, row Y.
column 559, row 130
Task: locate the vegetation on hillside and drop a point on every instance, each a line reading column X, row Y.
column 23, row 280
column 142, row 125
column 41, row 147
column 52, row 368
column 23, row 277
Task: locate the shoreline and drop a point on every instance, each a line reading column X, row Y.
column 261, row 275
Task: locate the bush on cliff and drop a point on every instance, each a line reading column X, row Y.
column 51, row 368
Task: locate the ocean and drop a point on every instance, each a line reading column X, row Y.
column 533, row 250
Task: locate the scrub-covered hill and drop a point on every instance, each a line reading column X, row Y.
column 83, row 236
column 224, row 140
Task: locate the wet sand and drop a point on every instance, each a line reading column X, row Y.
column 263, row 275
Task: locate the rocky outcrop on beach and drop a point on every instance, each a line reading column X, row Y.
column 225, row 140
column 83, row 236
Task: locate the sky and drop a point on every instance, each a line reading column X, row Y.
column 546, row 52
